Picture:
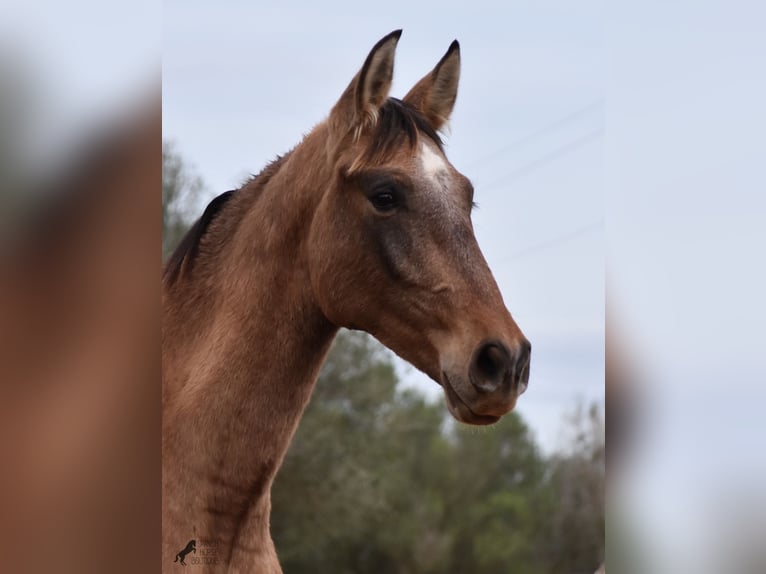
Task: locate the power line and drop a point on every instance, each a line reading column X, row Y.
column 550, row 156
column 552, row 242
column 530, row 136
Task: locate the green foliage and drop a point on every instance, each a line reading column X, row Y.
column 180, row 187
column 378, row 480
column 578, row 478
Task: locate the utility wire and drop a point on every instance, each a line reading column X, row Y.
column 552, row 242
column 543, row 159
column 528, row 137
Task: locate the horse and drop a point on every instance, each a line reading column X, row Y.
column 365, row 225
column 190, row 547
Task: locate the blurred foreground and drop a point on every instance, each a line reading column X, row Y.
column 80, row 141
column 79, row 360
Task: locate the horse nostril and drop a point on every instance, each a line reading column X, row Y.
column 522, row 366
column 494, row 366
column 491, row 366
column 526, row 348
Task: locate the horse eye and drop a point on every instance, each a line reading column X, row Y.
column 384, row 201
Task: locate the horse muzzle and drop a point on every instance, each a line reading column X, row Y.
column 494, row 379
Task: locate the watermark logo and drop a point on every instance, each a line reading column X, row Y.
column 208, row 553
column 190, row 547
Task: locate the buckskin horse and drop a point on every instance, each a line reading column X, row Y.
column 364, row 225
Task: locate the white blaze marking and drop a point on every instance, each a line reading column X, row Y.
column 433, row 163
column 436, row 169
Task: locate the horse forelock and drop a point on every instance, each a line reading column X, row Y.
column 397, row 123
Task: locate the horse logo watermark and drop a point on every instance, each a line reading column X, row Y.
column 190, row 547
column 208, row 552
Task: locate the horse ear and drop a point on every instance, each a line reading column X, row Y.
column 434, row 96
column 368, row 91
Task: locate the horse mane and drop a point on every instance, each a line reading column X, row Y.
column 188, row 248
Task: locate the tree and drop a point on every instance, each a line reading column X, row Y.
column 180, row 188
column 378, row 481
column 576, row 532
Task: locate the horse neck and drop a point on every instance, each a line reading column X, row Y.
column 234, row 390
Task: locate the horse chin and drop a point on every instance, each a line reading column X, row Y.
column 460, row 410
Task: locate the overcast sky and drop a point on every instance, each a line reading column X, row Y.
column 243, row 81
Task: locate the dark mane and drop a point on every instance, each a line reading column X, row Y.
column 189, row 246
column 397, row 120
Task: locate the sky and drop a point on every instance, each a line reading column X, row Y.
column 244, row 81
column 686, row 230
